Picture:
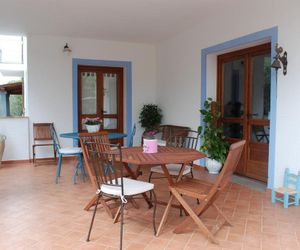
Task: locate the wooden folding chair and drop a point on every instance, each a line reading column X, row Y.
column 207, row 193
column 42, row 137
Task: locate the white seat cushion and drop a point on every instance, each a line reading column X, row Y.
column 131, row 187
column 173, row 169
column 74, row 150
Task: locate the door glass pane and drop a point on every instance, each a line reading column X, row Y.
column 89, row 93
column 234, row 88
column 233, row 130
column 261, row 86
column 260, row 133
column 110, row 94
column 110, row 123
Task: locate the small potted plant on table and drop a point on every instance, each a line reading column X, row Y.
column 213, row 142
column 150, row 119
column 93, row 124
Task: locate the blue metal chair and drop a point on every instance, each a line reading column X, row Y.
column 290, row 192
column 67, row 151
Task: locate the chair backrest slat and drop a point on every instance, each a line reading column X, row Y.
column 172, row 130
column 99, row 142
column 42, row 131
column 291, row 180
column 104, row 164
column 185, row 139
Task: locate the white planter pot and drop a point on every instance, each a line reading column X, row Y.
column 92, row 128
column 213, row 166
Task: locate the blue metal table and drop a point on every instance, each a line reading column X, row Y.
column 111, row 136
column 75, row 137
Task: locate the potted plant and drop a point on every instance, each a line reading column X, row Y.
column 150, row 118
column 93, row 124
column 212, row 140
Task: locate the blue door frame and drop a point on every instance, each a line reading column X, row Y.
column 272, row 35
column 128, row 87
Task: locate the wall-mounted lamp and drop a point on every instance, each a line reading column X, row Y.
column 67, row 49
column 280, row 59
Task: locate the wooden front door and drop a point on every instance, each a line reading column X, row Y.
column 100, row 95
column 243, row 90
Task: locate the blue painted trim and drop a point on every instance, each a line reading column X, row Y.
column 128, row 87
column 271, row 34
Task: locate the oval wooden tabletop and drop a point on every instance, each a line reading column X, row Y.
column 165, row 155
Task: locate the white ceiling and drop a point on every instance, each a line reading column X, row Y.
column 146, row 21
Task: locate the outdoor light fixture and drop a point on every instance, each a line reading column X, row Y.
column 280, row 59
column 67, row 49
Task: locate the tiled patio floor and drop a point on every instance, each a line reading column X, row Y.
column 35, row 213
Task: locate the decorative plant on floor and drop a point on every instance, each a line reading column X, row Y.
column 150, row 118
column 213, row 142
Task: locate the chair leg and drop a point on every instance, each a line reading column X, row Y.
column 149, row 180
column 297, row 197
column 150, row 175
column 54, row 152
column 33, row 155
column 58, row 168
column 122, row 224
column 75, row 172
column 285, row 200
column 154, row 210
column 82, row 170
column 117, row 215
column 195, row 217
column 273, row 196
column 180, row 211
column 92, row 222
column 192, row 174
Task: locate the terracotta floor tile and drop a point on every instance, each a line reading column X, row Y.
column 38, row 214
column 135, row 246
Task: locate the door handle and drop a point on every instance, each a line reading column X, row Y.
column 251, row 115
column 104, row 112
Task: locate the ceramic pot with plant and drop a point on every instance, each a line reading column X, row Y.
column 93, row 124
column 150, row 118
column 213, row 142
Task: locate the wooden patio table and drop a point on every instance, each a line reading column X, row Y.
column 164, row 156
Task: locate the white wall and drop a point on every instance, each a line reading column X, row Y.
column 50, row 80
column 17, row 142
column 179, row 68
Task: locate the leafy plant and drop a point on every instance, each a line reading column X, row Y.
column 212, row 139
column 150, row 117
column 92, row 121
